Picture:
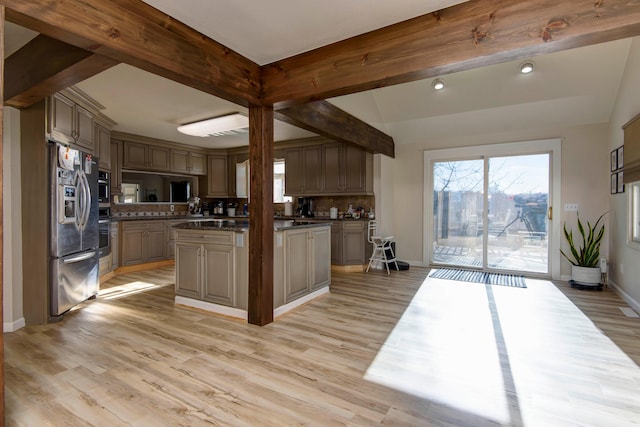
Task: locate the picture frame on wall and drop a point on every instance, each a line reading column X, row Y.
column 620, row 182
column 614, row 160
column 614, row 183
column 620, row 157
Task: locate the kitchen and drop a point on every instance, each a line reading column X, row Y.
column 141, row 234
column 406, row 203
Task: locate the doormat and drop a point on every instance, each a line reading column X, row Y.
column 512, row 280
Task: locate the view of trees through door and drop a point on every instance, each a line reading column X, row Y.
column 491, row 213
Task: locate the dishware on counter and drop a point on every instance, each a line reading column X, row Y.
column 333, row 213
column 231, row 211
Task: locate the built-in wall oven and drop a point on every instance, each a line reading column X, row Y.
column 103, row 188
column 104, row 228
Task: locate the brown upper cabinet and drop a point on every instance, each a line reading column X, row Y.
column 103, row 141
column 70, row 123
column 328, row 169
column 303, row 170
column 215, row 184
column 116, row 166
column 189, row 162
column 139, row 156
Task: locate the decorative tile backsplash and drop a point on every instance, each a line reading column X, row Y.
column 321, row 206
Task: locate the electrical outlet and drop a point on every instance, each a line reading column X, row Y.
column 172, row 208
column 571, row 207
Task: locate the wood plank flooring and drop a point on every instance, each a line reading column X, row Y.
column 393, row 350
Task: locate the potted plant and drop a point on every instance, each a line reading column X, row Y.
column 585, row 258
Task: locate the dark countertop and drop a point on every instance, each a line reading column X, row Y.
column 218, row 218
column 243, row 225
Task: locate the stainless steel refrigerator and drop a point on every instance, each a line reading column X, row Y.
column 74, row 237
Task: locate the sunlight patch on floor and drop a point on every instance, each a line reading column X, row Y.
column 443, row 349
column 127, row 289
column 501, row 353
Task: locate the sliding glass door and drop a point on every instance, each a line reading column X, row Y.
column 491, row 213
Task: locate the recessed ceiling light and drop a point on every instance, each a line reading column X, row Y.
column 230, row 124
column 438, row 84
column 526, row 67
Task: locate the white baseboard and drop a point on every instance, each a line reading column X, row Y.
column 242, row 314
column 625, row 296
column 214, row 308
column 13, row 326
column 293, row 304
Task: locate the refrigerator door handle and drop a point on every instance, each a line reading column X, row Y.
column 79, row 199
column 87, row 200
column 79, row 258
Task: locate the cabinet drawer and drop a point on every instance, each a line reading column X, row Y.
column 212, row 237
column 152, row 225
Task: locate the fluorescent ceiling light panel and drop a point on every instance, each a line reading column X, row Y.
column 231, row 124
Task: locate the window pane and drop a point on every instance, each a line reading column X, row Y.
column 457, row 212
column 635, row 212
column 278, row 183
column 517, row 213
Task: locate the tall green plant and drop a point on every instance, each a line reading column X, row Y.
column 588, row 254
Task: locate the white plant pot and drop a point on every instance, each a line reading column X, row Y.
column 587, row 276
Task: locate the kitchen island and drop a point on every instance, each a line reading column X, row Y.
column 212, row 264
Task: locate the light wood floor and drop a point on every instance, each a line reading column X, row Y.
column 395, row 350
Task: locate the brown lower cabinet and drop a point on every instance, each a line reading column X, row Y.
column 349, row 245
column 142, row 241
column 205, row 271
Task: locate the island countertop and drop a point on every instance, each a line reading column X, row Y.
column 243, row 225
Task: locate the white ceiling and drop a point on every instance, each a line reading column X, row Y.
column 567, row 88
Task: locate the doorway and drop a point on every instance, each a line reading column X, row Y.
column 491, row 210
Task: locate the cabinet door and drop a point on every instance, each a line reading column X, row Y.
column 218, row 274
column 132, row 242
column 115, row 246
column 355, row 170
column 320, row 268
column 103, row 141
column 293, row 172
column 116, row 167
column 84, row 128
column 296, row 264
column 333, row 168
column 353, row 248
column 154, row 244
column 61, row 118
column 197, row 164
column 179, row 161
column 188, row 270
column 158, row 158
column 217, row 176
column 336, row 243
column 312, row 169
column 135, row 155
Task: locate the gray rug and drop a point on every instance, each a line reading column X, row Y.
column 512, row 280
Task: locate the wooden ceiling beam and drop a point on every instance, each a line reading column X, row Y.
column 325, row 119
column 469, row 35
column 140, row 35
column 45, row 66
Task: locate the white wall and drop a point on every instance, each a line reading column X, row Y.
column 585, row 178
column 12, row 226
column 624, row 261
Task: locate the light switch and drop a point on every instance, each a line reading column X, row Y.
column 571, row 207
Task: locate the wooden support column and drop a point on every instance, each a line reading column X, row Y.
column 1, row 217
column 260, row 304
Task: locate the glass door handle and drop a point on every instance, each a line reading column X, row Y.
column 550, row 213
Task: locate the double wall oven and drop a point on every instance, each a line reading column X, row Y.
column 104, row 213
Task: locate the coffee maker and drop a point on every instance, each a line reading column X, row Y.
column 305, row 207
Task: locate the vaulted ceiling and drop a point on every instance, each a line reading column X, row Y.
column 571, row 87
